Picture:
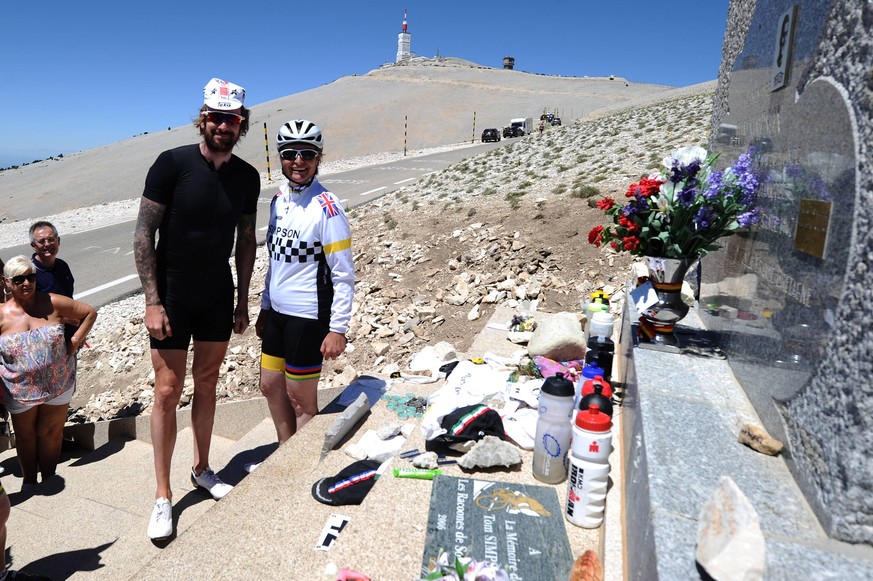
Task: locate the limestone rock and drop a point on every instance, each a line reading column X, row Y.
column 757, row 438
column 428, row 461
column 559, row 338
column 730, row 544
column 490, row 451
column 587, row 568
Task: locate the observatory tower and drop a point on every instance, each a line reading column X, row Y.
column 403, row 42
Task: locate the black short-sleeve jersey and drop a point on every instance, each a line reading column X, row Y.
column 204, row 206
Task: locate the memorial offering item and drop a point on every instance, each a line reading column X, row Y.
column 516, row 526
column 553, row 429
column 589, row 467
column 672, row 218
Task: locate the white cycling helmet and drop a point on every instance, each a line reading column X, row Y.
column 299, row 131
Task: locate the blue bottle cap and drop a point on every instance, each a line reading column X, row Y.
column 592, row 370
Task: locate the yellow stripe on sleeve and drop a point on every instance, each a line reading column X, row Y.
column 338, row 246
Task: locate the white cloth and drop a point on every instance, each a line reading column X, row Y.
column 468, row 384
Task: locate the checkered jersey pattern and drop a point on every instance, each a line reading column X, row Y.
column 289, row 250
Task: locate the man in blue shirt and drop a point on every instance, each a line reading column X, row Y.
column 52, row 274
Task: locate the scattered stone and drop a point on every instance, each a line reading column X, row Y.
column 490, row 451
column 730, row 544
column 388, row 431
column 587, row 568
column 757, row 438
column 559, row 338
column 428, row 461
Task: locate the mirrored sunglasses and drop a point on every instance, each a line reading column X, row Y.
column 19, row 280
column 305, row 154
column 218, row 118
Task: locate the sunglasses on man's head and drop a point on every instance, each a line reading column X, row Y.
column 305, row 154
column 19, row 280
column 218, row 118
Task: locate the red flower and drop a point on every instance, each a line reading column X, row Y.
column 606, row 203
column 628, row 224
column 595, row 237
column 645, row 187
column 615, row 245
column 630, row 243
column 649, row 187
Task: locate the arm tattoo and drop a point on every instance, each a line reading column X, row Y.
column 149, row 219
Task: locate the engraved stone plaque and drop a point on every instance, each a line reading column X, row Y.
column 519, row 527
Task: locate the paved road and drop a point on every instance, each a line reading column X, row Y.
column 102, row 259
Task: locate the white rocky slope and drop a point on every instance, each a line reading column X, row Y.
column 434, row 259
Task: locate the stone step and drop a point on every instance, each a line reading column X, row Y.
column 92, row 521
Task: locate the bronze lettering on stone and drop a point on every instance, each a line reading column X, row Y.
column 813, row 221
column 784, row 45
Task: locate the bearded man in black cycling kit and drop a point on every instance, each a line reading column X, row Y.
column 196, row 196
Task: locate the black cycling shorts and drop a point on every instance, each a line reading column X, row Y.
column 293, row 345
column 211, row 320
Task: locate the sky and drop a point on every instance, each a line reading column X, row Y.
column 78, row 75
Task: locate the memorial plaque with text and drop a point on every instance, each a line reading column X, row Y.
column 516, row 526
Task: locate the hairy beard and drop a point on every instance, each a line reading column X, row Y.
column 216, row 146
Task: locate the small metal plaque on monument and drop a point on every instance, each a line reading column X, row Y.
column 519, row 527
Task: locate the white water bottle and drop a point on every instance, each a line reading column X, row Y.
column 600, row 324
column 552, row 442
column 589, row 468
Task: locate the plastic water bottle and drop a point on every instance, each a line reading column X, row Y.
column 554, row 429
column 589, row 468
column 589, row 372
column 601, row 351
column 600, row 324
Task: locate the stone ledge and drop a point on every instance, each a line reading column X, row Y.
column 681, row 416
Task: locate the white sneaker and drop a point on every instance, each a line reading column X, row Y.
column 161, row 522
column 210, row 483
column 251, row 466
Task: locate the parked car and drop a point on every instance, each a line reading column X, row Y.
column 490, row 135
column 556, row 121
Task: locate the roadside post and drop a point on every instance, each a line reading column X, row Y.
column 267, row 147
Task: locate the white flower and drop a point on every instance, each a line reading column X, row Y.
column 686, row 155
column 662, row 203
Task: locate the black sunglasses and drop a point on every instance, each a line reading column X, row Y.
column 19, row 280
column 305, row 154
column 217, row 118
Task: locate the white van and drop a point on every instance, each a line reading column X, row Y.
column 525, row 123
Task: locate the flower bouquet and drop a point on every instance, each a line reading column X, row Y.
column 672, row 218
column 681, row 211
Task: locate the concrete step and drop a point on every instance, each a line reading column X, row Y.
column 91, row 522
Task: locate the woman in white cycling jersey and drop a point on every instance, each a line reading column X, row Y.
column 307, row 299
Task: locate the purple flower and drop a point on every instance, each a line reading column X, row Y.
column 686, row 195
column 746, row 219
column 703, row 219
column 716, row 182
column 678, row 172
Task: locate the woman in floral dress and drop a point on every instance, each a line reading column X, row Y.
column 37, row 366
